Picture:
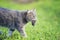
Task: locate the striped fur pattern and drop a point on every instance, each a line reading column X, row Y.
column 14, row 19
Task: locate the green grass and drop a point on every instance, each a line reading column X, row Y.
column 48, row 20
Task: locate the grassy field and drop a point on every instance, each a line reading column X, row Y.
column 48, row 20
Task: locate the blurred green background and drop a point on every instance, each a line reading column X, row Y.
column 48, row 19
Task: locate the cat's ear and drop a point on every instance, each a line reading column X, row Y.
column 28, row 11
column 33, row 9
